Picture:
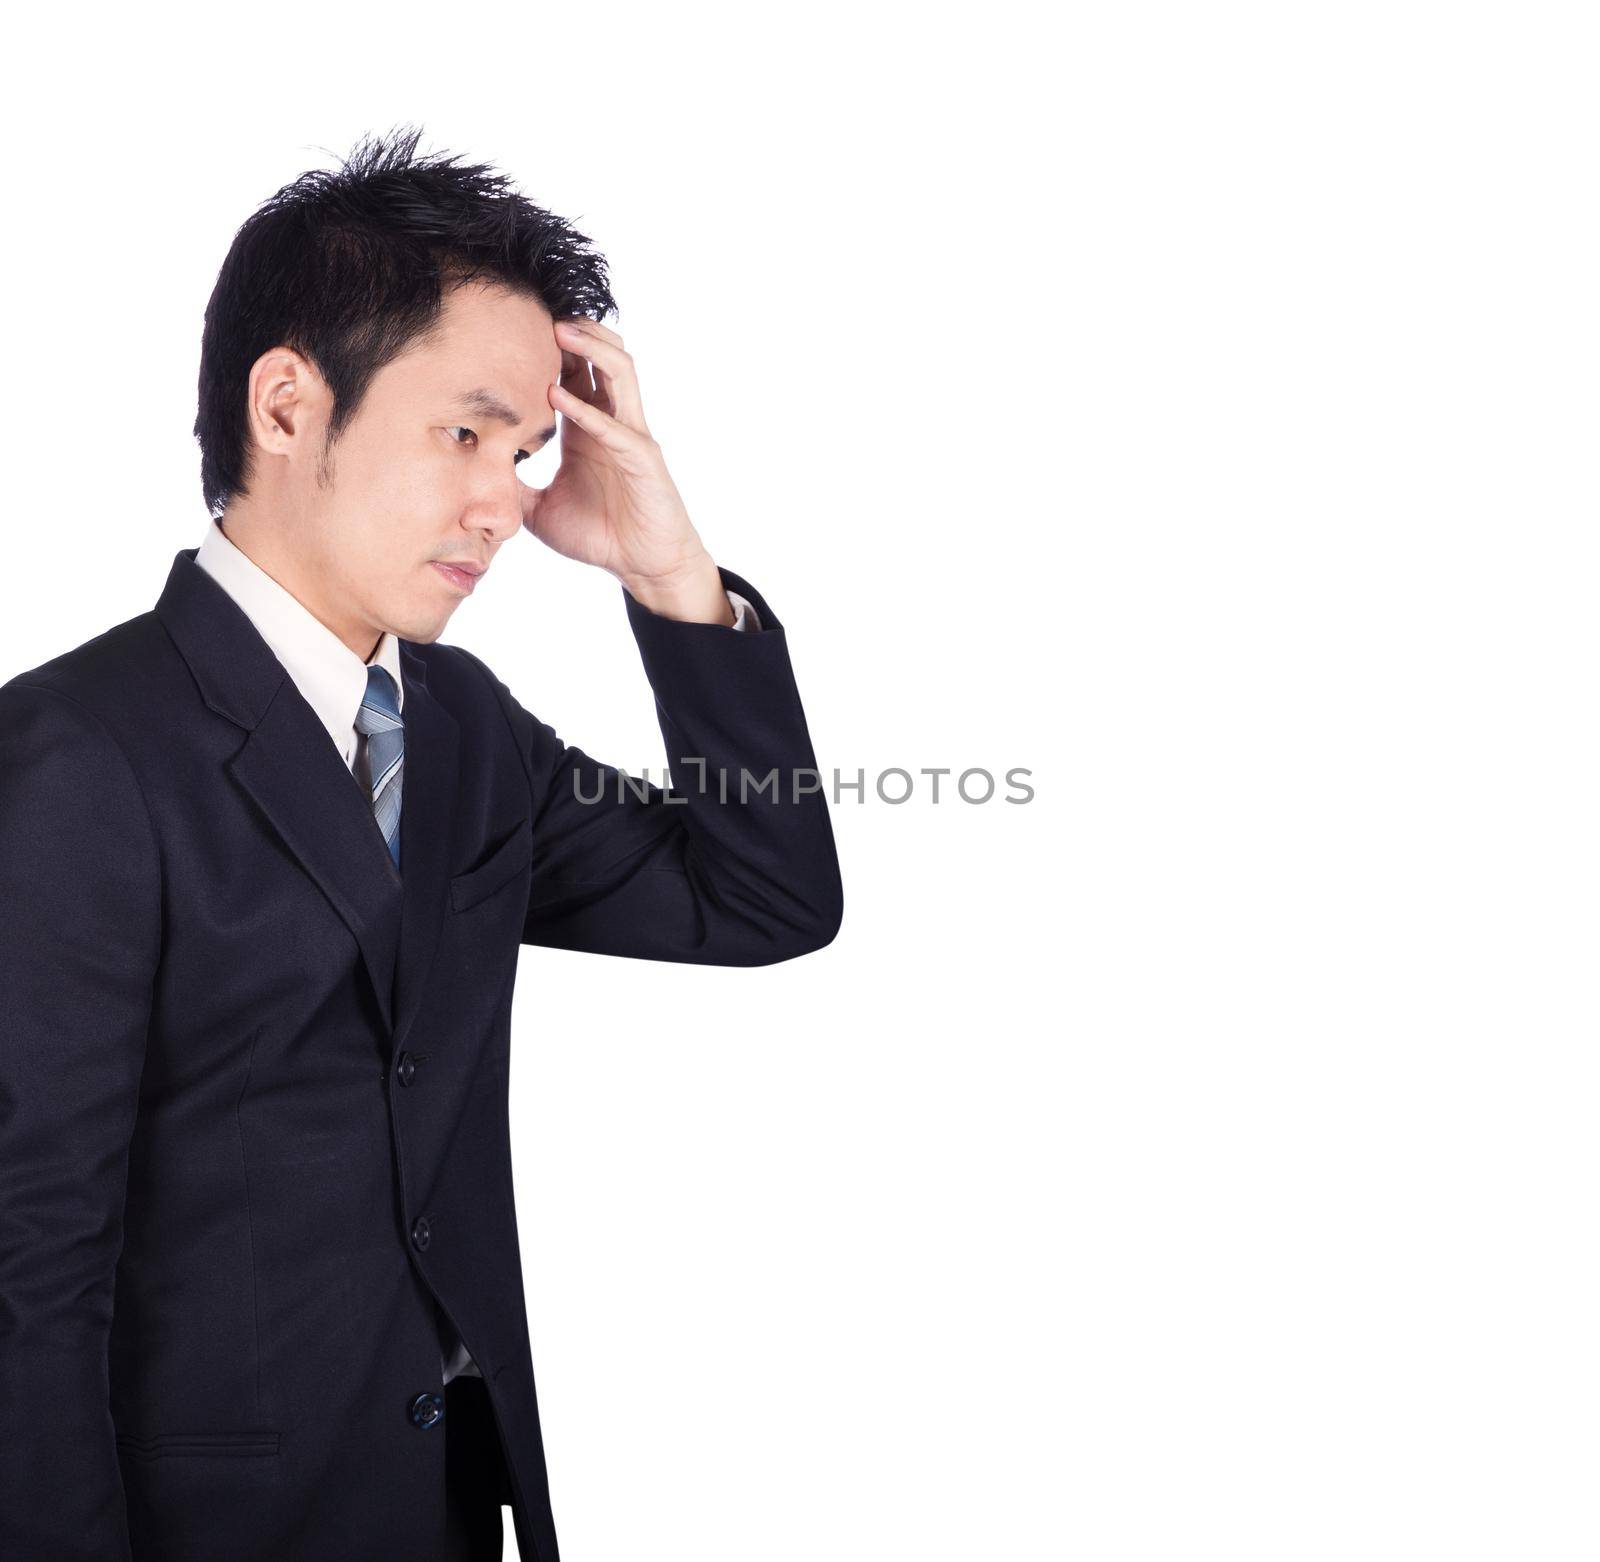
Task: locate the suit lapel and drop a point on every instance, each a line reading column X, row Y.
column 316, row 806
column 289, row 766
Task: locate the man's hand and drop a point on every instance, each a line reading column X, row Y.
column 612, row 502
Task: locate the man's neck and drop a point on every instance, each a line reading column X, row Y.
column 247, row 536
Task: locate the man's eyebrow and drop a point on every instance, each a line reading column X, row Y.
column 487, row 405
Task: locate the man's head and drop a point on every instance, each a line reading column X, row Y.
column 376, row 359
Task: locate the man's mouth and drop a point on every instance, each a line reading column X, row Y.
column 463, row 574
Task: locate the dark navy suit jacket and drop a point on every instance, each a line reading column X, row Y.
column 253, row 1116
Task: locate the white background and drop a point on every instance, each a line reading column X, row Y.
column 1196, row 406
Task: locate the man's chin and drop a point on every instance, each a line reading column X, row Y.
column 421, row 627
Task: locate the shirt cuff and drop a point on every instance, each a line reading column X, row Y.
column 744, row 615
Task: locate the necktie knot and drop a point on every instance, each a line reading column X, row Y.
column 380, row 709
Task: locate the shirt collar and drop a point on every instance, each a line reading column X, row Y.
column 331, row 677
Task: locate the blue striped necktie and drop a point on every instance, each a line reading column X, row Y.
column 379, row 719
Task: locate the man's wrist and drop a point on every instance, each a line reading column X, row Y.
column 694, row 595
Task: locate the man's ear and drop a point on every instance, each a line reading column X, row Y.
column 286, row 398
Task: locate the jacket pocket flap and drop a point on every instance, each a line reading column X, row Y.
column 507, row 860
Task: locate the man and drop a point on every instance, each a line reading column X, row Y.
column 268, row 854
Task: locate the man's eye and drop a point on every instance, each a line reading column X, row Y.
column 460, row 428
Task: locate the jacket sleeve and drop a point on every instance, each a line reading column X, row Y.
column 736, row 864
column 80, row 918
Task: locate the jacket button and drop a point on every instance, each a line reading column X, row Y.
column 407, row 1068
column 426, row 1409
column 420, row 1235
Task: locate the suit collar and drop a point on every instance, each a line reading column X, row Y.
column 326, row 671
column 290, row 767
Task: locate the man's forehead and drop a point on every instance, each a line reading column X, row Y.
column 496, row 315
column 499, row 368
column 504, row 378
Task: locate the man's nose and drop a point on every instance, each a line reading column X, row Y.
column 499, row 514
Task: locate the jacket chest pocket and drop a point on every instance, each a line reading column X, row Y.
column 504, row 863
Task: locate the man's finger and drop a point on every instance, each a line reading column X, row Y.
column 628, row 446
column 615, row 377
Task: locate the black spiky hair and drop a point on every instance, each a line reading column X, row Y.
column 350, row 267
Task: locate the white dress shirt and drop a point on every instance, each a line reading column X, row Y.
column 333, row 680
